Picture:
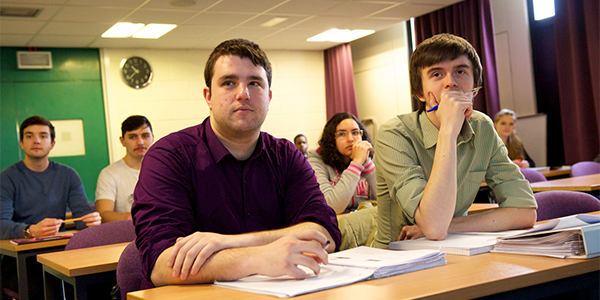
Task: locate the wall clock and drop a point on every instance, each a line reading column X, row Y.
column 136, row 72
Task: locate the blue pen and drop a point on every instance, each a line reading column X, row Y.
column 469, row 92
column 326, row 244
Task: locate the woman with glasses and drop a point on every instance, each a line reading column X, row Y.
column 343, row 165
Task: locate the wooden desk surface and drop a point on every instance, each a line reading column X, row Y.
column 564, row 170
column 84, row 261
column 481, row 207
column 586, row 183
column 7, row 245
column 464, row 277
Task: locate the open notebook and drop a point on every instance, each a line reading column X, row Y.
column 345, row 267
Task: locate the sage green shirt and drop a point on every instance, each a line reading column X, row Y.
column 404, row 153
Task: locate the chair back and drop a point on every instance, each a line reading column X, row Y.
column 583, row 168
column 103, row 234
column 533, row 175
column 129, row 270
column 556, row 204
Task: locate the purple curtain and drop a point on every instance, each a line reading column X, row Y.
column 471, row 20
column 339, row 81
column 577, row 42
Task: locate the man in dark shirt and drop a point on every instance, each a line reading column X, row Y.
column 223, row 200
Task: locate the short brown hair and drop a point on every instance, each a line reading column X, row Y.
column 238, row 47
column 436, row 49
column 36, row 120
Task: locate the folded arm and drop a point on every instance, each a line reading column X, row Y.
column 206, row 257
column 106, row 208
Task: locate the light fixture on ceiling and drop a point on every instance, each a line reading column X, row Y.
column 19, row 12
column 339, row 35
column 153, row 31
column 273, row 22
column 138, row 30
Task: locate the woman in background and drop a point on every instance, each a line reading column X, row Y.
column 505, row 126
column 343, row 164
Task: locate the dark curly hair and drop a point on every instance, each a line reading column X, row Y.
column 329, row 152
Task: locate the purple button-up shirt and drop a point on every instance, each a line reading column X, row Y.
column 190, row 182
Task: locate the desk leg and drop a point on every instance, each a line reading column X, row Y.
column 22, row 275
column 52, row 286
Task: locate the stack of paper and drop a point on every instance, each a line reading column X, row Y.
column 576, row 236
column 559, row 244
column 455, row 243
column 345, row 267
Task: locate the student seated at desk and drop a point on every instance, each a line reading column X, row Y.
column 36, row 192
column 223, row 200
column 343, row 164
column 301, row 143
column 504, row 122
column 430, row 163
column 114, row 191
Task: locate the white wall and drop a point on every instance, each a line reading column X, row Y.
column 174, row 99
column 515, row 75
column 381, row 74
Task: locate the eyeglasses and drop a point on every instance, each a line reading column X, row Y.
column 341, row 135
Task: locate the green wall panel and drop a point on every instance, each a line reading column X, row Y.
column 71, row 90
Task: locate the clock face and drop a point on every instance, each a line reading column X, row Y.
column 136, row 72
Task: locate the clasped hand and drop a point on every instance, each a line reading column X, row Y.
column 454, row 108
column 410, row 232
column 280, row 257
column 360, row 151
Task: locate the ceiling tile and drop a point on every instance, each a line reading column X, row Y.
column 75, row 28
column 162, row 4
column 120, row 43
column 93, row 14
column 305, row 7
column 357, row 9
column 219, row 19
column 407, row 11
column 13, row 26
column 248, row 6
column 291, row 20
column 109, row 3
column 326, row 22
column 157, row 16
column 374, row 23
column 61, row 41
column 17, row 40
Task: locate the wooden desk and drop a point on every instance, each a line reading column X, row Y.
column 80, row 268
column 22, row 252
column 499, row 275
column 464, row 277
column 586, row 183
column 481, row 207
column 562, row 171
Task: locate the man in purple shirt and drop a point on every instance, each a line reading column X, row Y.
column 223, row 200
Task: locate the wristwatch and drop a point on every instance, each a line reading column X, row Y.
column 26, row 232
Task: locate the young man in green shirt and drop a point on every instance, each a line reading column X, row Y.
column 430, row 163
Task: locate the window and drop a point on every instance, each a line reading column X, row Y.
column 543, row 9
